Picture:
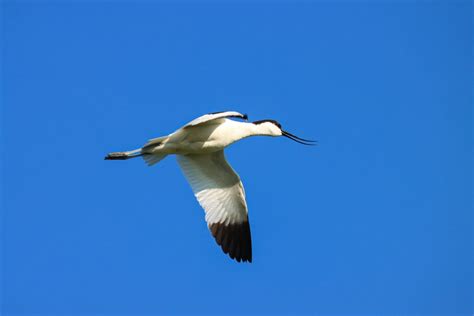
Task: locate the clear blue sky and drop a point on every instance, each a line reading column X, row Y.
column 378, row 219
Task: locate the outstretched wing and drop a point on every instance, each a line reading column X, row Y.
column 220, row 192
column 215, row 116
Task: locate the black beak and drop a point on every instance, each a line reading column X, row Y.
column 298, row 139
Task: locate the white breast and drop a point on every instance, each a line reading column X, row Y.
column 207, row 138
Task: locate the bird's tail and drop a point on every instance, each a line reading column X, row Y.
column 150, row 159
column 122, row 155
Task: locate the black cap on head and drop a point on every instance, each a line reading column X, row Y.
column 271, row 121
column 287, row 134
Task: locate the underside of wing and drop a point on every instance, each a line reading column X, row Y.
column 215, row 116
column 220, row 192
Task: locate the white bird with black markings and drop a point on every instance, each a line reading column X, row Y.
column 199, row 148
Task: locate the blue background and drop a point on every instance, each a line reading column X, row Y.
column 376, row 220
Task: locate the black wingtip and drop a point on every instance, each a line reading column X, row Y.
column 234, row 239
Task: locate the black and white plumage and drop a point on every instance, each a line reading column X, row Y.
column 199, row 148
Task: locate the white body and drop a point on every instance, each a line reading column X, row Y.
column 199, row 147
column 208, row 137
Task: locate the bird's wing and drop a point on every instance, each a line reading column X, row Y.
column 214, row 116
column 220, row 192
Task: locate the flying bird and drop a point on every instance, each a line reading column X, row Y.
column 199, row 148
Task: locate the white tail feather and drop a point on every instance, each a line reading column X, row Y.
column 152, row 159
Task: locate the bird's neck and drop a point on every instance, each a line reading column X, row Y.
column 240, row 130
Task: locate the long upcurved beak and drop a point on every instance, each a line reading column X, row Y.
column 299, row 139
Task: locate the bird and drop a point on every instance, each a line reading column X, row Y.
column 199, row 148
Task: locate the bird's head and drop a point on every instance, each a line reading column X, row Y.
column 273, row 128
